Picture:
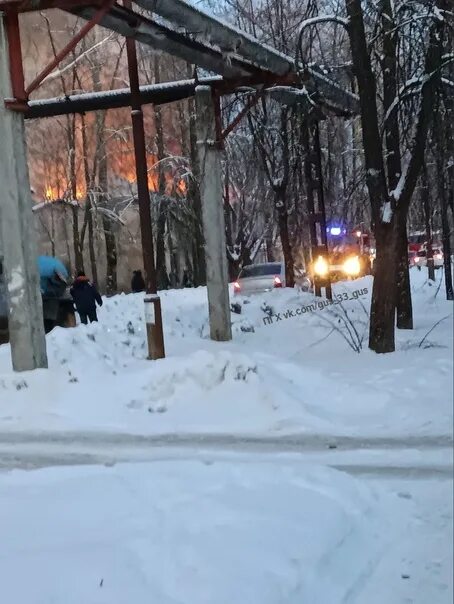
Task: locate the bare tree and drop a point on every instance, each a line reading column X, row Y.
column 390, row 187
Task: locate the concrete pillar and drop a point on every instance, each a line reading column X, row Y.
column 17, row 234
column 213, row 217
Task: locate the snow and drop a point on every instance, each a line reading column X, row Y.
column 16, row 286
column 280, row 468
column 296, row 375
column 387, row 211
column 373, row 172
column 186, row 532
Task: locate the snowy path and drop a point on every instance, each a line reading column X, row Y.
column 406, row 559
column 393, row 547
column 404, row 456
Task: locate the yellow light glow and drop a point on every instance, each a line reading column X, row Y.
column 352, row 266
column 321, row 267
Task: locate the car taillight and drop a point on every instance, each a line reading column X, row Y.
column 236, row 286
column 277, row 282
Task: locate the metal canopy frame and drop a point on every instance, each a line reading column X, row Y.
column 184, row 32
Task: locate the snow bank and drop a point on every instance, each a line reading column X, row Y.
column 301, row 374
column 186, row 532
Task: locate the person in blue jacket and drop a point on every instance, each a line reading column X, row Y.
column 85, row 296
column 53, row 276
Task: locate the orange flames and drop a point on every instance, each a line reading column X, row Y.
column 125, row 168
column 121, row 162
column 54, row 192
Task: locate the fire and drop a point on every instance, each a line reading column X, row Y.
column 125, row 168
column 182, row 186
column 54, row 192
column 129, row 174
column 51, row 193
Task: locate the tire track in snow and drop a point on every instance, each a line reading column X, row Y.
column 409, row 457
column 284, row 443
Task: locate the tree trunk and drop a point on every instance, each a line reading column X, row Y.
column 393, row 162
column 78, row 256
column 383, row 306
column 285, row 238
column 426, row 205
column 443, row 197
column 161, row 268
column 403, row 290
column 194, row 197
column 91, row 242
column 446, row 247
column 88, row 204
column 269, row 249
column 66, row 238
column 174, row 259
column 109, row 235
column 199, row 267
column 111, row 257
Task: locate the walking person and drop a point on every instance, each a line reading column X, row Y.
column 173, row 278
column 137, row 282
column 187, row 278
column 85, row 296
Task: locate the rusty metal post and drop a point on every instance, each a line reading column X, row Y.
column 153, row 314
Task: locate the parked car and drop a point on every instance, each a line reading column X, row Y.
column 264, row 277
column 412, row 255
column 420, row 259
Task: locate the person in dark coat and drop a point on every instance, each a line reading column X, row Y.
column 85, row 296
column 187, row 278
column 137, row 282
column 173, row 278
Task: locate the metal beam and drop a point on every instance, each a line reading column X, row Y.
column 158, row 94
column 97, row 17
column 251, row 57
column 227, row 37
column 210, row 43
column 230, row 39
column 132, row 25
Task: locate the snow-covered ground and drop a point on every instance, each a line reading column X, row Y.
column 282, row 467
column 296, row 375
column 189, row 532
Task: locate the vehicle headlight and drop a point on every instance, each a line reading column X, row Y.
column 352, row 266
column 321, row 267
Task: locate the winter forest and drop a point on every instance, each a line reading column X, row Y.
column 388, row 170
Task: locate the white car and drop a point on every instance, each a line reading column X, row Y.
column 256, row 278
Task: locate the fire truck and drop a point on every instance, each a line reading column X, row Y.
column 417, row 249
column 351, row 254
